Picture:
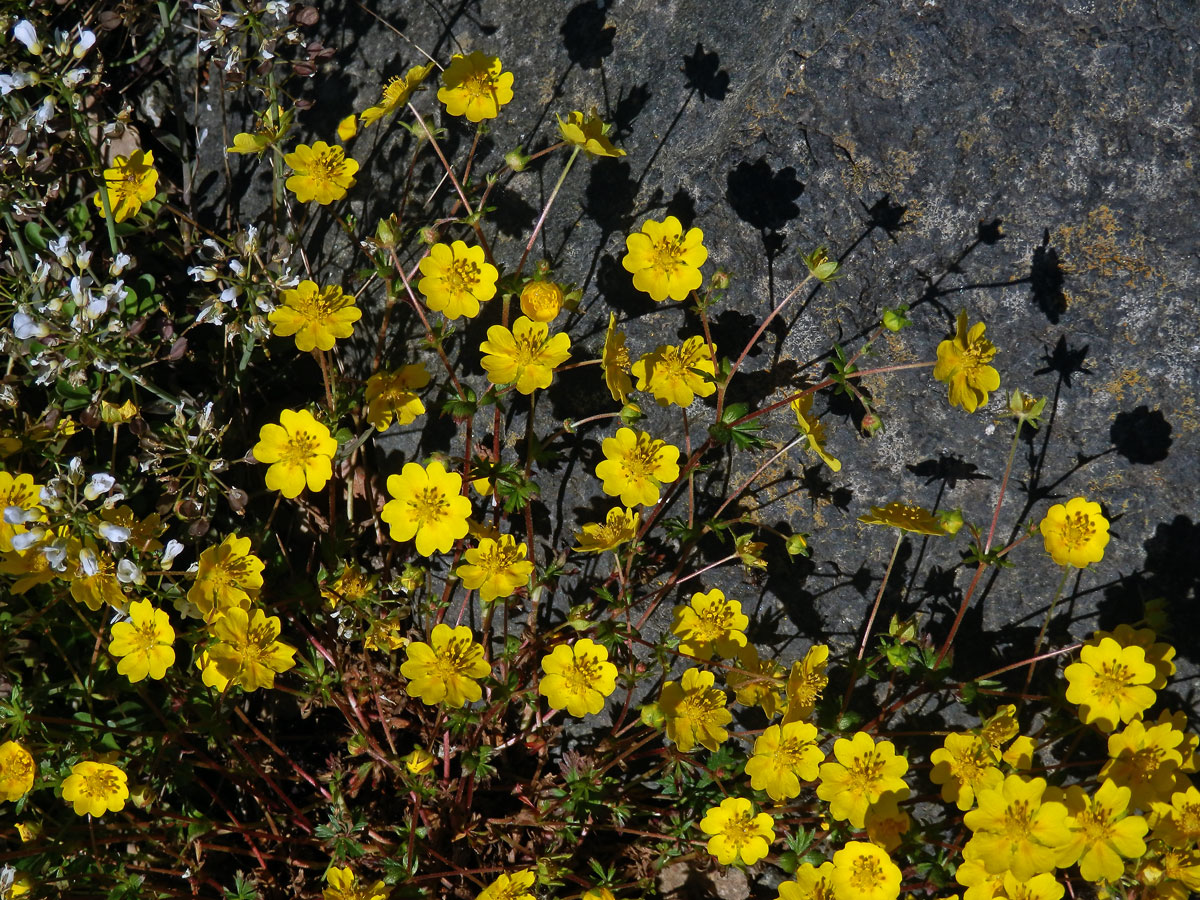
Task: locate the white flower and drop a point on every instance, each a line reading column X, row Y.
column 235, row 266
column 24, row 541
column 26, row 326
column 38, row 117
column 56, row 554
column 24, row 32
column 101, row 483
column 82, row 258
column 86, row 40
column 202, row 273
column 61, row 248
column 119, row 264
column 89, row 563
column 229, row 295
column 118, row 534
column 278, row 8
column 75, row 77
column 172, row 550
column 14, row 82
column 129, row 573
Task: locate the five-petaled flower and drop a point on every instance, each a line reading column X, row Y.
column 695, row 711
column 737, row 833
column 806, row 681
column 589, row 133
column 397, row 92
column 17, row 770
column 962, row 363
column 676, row 374
column 510, row 887
column 496, row 568
column 322, row 172
column 391, row 396
column 526, row 355
column 445, row 669
column 635, row 466
column 427, row 503
column 247, row 652
column 94, row 788
column 864, row 771
column 475, row 86
column 664, row 261
column 128, row 184
column 863, row 871
column 614, row 360
column 343, row 885
column 619, row 527
column 228, row 575
column 710, row 623
column 1014, row 829
column 578, row 677
column 143, row 643
column 1103, row 834
column 1075, row 534
column 784, row 755
column 1110, row 683
column 963, row 766
column 809, row 882
column 299, row 450
column 316, row 315
column 457, row 278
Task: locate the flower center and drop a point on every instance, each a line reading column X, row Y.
column 1095, row 823
column 301, row 447
column 666, row 253
column 463, row 276
column 320, row 304
column 1146, row 763
column 100, row 784
column 499, row 558
column 584, row 673
column 866, row 770
column 1112, row 680
column 866, row 873
column 807, row 688
column 716, row 620
column 1017, row 819
column 455, row 657
column 529, row 347
column 701, row 704
column 642, row 460
column 1078, row 530
column 740, row 829
column 479, row 85
column 791, row 752
column 145, row 636
column 429, row 506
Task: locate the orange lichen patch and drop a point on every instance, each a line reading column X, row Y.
column 1097, row 246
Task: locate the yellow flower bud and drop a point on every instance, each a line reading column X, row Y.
column 541, row 301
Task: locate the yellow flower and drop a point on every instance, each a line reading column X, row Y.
column 248, row 653
column 541, row 301
column 384, row 635
column 963, row 766
column 95, row 582
column 245, row 142
column 664, row 261
column 228, row 575
column 1075, row 534
column 710, row 623
column 1015, row 830
column 353, row 586
column 347, row 128
column 392, row 396
column 395, row 94
column 886, row 822
column 589, row 133
column 445, row 669
column 619, row 527
column 805, row 683
column 21, row 492
column 1102, row 834
column 812, row 429
column 322, row 173
column 1000, row 728
column 129, row 183
column 510, row 887
column 695, row 711
column 784, row 755
column 1158, row 654
column 1179, row 825
column 142, row 532
column 17, row 769
column 32, row 567
column 672, row 374
column 962, row 364
column 272, row 126
column 578, row 678
column 457, row 278
column 475, row 86
column 1144, row 760
column 758, row 682
column 143, row 643
column 419, row 761
column 316, row 315
column 299, row 450
column 864, row 771
column 527, row 355
column 496, row 568
column 427, row 503
column 344, row 886
column 614, row 360
column 809, row 883
column 863, row 871
column 1039, row 887
column 94, row 788
column 737, row 833
column 1109, row 684
column 635, row 466
column 979, row 883
column 904, row 516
